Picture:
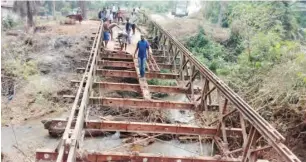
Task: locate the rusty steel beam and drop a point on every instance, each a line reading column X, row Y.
column 117, row 73
column 124, row 64
column 165, row 66
column 140, row 103
column 56, row 125
column 117, row 52
column 72, row 136
column 133, row 74
column 117, row 86
column 268, row 132
column 94, row 156
column 136, row 88
column 117, row 56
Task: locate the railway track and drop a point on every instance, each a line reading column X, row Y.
column 214, row 104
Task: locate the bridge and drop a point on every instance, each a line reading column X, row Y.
column 236, row 131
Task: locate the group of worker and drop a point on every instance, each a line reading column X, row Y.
column 125, row 35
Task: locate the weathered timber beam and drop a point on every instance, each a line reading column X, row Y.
column 139, row 103
column 133, row 74
column 93, row 156
column 116, row 63
column 126, row 126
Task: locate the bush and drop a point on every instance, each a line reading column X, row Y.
column 21, row 69
column 8, row 22
column 207, row 51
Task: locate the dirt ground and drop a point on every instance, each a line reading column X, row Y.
column 36, row 73
column 53, row 54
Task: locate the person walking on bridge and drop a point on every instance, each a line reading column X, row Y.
column 106, row 32
column 143, row 53
column 133, row 21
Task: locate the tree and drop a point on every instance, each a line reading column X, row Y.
column 223, row 6
column 26, row 9
column 82, row 5
column 53, row 10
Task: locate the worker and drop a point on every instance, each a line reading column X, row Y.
column 102, row 14
column 133, row 21
column 119, row 15
column 137, row 9
column 143, row 53
column 110, row 27
column 108, row 13
column 128, row 26
column 114, row 12
column 106, row 32
column 123, row 37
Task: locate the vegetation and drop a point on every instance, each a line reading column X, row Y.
column 8, row 22
column 264, row 59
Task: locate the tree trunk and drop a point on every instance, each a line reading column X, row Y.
column 82, row 5
column 29, row 14
column 220, row 17
column 53, row 3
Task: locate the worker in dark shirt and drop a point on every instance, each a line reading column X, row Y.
column 143, row 54
column 128, row 26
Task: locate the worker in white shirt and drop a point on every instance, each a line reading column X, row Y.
column 114, row 12
column 137, row 9
column 108, row 13
column 133, row 21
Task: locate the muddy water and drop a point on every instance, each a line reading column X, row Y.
column 167, row 148
column 177, row 116
column 32, row 135
column 27, row 136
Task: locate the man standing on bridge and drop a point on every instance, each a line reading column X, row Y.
column 143, row 53
column 106, row 32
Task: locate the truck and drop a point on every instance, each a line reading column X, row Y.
column 180, row 8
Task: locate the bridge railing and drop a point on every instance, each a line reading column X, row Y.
column 257, row 133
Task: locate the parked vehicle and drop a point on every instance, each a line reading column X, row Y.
column 180, row 8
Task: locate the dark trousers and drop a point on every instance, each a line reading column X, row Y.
column 133, row 28
column 142, row 66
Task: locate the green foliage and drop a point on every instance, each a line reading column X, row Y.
column 66, row 9
column 213, row 10
column 208, row 52
column 8, row 22
column 21, row 69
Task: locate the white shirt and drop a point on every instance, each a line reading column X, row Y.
column 133, row 19
column 110, row 17
column 107, row 13
column 114, row 9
